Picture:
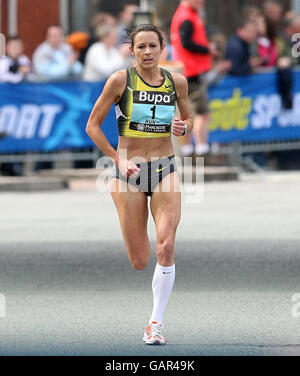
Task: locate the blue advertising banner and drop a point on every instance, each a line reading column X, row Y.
column 41, row 117
column 248, row 109
column 49, row 116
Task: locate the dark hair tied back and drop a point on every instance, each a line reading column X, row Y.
column 131, row 32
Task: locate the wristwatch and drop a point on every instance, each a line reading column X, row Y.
column 186, row 129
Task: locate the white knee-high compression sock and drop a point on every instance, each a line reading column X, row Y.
column 162, row 285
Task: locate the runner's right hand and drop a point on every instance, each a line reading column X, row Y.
column 128, row 168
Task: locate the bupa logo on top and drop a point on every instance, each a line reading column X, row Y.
column 154, row 97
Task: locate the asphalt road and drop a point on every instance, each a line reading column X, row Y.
column 70, row 290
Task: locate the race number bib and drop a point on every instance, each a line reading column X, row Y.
column 152, row 111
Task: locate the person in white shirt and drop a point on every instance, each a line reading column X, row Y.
column 54, row 59
column 15, row 67
column 104, row 58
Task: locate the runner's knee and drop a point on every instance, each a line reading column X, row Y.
column 139, row 263
column 165, row 251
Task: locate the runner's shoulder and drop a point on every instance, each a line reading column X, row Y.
column 118, row 78
column 180, row 82
column 116, row 83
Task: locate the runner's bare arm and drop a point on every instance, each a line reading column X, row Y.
column 111, row 93
column 182, row 102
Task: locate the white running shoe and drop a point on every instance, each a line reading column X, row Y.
column 201, row 149
column 153, row 334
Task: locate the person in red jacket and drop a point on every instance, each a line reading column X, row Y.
column 190, row 46
column 266, row 43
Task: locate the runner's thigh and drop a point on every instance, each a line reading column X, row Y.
column 132, row 208
column 166, row 207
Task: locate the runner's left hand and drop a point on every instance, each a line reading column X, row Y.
column 178, row 127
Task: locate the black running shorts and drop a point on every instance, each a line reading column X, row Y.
column 150, row 174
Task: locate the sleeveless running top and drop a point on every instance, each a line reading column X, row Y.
column 146, row 111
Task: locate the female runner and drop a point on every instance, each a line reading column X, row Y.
column 145, row 97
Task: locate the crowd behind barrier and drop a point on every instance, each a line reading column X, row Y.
column 48, row 108
column 46, row 117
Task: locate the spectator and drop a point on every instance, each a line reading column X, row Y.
column 97, row 20
column 103, row 58
column 220, row 65
column 266, row 43
column 166, row 59
column 79, row 41
column 287, row 59
column 239, row 49
column 15, row 66
column 54, row 59
column 273, row 11
column 285, row 43
column 166, row 55
column 251, row 13
column 190, row 46
column 266, row 50
column 125, row 20
column 103, row 18
column 243, row 62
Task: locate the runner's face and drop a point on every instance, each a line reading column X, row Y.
column 147, row 49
